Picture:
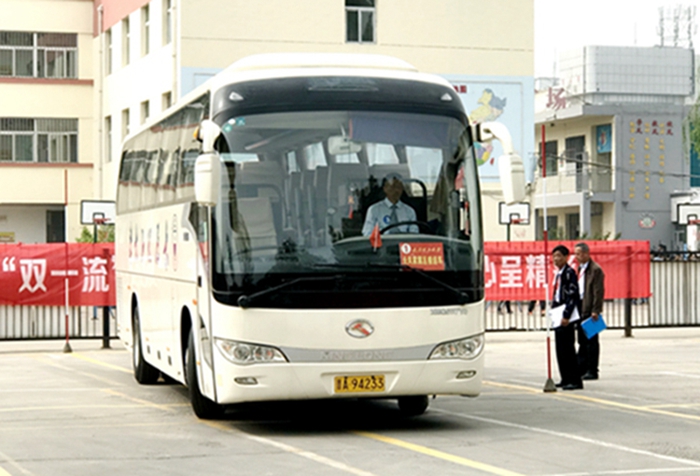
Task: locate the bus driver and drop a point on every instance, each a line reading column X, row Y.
column 390, row 210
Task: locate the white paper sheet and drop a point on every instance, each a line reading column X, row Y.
column 556, row 314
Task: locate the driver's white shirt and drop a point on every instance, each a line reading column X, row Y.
column 380, row 213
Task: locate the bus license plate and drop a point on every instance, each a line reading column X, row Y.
column 359, row 383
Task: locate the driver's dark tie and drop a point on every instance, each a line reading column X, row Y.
column 393, row 219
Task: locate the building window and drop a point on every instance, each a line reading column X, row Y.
column 38, row 140
column 551, row 159
column 167, row 100
column 145, row 30
column 125, row 41
column 125, row 123
column 55, row 226
column 108, row 138
column 167, row 21
column 108, row 52
column 145, row 111
column 38, row 55
column 360, row 19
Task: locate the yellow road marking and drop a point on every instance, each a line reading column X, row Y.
column 99, row 362
column 599, row 401
column 438, row 454
column 4, row 473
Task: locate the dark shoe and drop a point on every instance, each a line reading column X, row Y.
column 572, row 386
column 559, row 385
column 589, row 376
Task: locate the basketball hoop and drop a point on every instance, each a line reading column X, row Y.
column 515, row 221
column 99, row 220
column 695, row 221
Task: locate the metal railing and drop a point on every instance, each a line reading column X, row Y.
column 49, row 322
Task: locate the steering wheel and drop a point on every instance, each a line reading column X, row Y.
column 420, row 224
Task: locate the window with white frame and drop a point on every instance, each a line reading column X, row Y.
column 125, row 123
column 145, row 111
column 108, row 138
column 145, row 30
column 166, row 100
column 360, row 21
column 108, row 52
column 167, row 21
column 38, row 55
column 125, row 41
column 38, row 140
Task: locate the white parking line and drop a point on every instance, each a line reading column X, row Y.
column 580, row 439
column 291, row 449
column 14, row 464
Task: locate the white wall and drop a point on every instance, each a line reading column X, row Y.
column 28, row 223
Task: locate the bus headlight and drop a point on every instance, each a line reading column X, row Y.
column 466, row 349
column 243, row 353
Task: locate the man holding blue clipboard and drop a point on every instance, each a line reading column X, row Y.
column 591, row 284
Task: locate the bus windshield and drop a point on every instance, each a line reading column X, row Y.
column 332, row 209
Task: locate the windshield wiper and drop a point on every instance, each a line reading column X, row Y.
column 245, row 301
column 463, row 298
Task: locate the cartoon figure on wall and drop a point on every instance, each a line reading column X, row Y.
column 490, row 108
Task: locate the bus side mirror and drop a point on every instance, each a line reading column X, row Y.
column 207, row 178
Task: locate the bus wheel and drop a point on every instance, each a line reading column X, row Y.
column 413, row 406
column 144, row 372
column 202, row 406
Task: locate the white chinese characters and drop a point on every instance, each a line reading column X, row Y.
column 95, row 275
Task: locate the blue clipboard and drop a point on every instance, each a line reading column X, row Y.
column 592, row 328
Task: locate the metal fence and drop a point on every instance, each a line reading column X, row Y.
column 675, row 301
column 49, row 322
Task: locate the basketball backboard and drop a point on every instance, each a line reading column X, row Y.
column 102, row 210
column 515, row 214
column 687, row 212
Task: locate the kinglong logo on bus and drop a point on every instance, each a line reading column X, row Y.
column 359, row 328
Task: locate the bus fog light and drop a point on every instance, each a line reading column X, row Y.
column 244, row 353
column 246, row 380
column 466, row 374
column 466, row 349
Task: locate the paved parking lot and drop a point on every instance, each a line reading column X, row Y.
column 84, row 414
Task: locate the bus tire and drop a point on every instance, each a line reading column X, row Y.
column 202, row 406
column 414, row 405
column 144, row 373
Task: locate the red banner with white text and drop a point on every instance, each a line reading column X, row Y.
column 516, row 270
column 35, row 275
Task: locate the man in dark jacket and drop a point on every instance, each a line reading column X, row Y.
column 566, row 293
column 591, row 281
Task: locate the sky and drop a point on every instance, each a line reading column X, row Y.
column 561, row 25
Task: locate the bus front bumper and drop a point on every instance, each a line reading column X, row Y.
column 300, row 381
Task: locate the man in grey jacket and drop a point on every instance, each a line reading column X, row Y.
column 592, row 288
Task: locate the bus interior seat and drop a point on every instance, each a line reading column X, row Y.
column 263, row 179
column 257, row 214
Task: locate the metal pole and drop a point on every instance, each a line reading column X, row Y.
column 105, row 327
column 66, row 348
column 549, row 384
column 628, row 300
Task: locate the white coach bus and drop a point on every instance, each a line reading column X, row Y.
column 249, row 264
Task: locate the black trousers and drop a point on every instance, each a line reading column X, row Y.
column 565, row 344
column 588, row 352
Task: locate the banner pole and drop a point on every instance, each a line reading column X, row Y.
column 67, row 347
column 549, row 385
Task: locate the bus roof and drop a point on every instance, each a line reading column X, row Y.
column 276, row 65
